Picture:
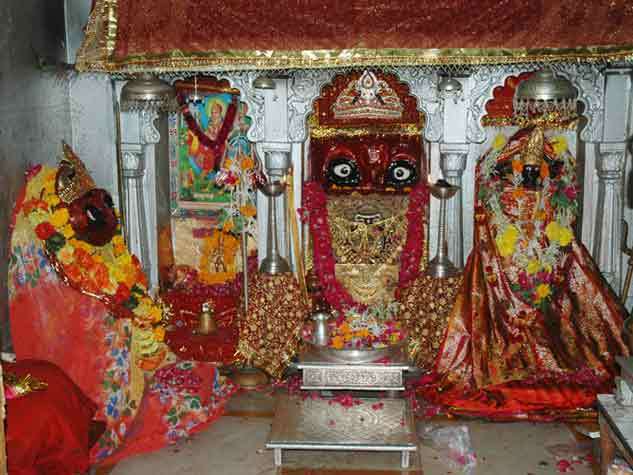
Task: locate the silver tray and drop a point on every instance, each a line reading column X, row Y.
column 354, row 356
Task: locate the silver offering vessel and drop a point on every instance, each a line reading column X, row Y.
column 320, row 332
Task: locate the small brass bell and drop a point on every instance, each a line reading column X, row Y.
column 207, row 324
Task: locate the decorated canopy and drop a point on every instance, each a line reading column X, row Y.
column 171, row 35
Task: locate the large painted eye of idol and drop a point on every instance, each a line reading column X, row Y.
column 92, row 217
column 401, row 172
column 342, row 170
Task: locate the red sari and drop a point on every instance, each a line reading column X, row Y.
column 508, row 352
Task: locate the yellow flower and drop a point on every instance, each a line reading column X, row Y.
column 228, row 226
column 52, row 200
column 506, row 241
column 155, row 313
column 552, row 231
column 227, row 164
column 247, row 163
column 49, row 182
column 118, row 244
column 124, row 260
column 65, row 255
column 248, row 210
column 560, row 234
column 338, row 342
column 559, row 144
column 566, row 236
column 542, row 291
column 533, row 266
column 499, row 142
column 68, row 231
column 159, row 333
column 79, row 244
column 117, row 273
column 60, row 217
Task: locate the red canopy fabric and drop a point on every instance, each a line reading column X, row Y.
column 125, row 35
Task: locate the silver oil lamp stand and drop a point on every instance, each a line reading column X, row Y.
column 273, row 263
column 441, row 266
column 277, row 165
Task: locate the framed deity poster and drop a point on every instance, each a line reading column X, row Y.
column 210, row 129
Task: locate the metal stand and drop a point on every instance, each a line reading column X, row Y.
column 441, row 266
column 273, row 263
column 318, row 425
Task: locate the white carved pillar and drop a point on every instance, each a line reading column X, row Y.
column 453, row 159
column 611, row 166
column 138, row 149
column 272, row 151
column 606, row 248
column 453, row 156
column 135, row 218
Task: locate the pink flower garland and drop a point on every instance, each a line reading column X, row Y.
column 315, row 202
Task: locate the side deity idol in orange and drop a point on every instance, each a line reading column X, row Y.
column 535, row 328
column 80, row 299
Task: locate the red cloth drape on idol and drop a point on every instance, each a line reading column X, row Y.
column 535, row 329
column 85, row 307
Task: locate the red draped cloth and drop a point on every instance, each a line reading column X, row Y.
column 189, row 34
column 506, row 356
column 48, row 429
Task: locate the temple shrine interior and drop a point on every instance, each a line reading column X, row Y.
column 316, row 238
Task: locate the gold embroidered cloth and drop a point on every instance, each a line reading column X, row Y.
column 504, row 356
column 127, row 35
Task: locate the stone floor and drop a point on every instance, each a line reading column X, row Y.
column 235, row 444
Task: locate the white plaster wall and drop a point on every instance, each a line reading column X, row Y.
column 34, row 108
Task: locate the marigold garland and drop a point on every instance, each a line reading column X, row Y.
column 109, row 273
column 315, row 203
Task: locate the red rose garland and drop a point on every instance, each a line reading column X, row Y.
column 315, row 202
column 217, row 145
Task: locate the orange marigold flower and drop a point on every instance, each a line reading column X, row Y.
column 228, row 226
column 338, row 342
column 159, row 333
column 83, row 258
column 544, row 170
column 101, row 276
column 247, row 163
column 517, row 166
column 73, row 272
column 248, row 210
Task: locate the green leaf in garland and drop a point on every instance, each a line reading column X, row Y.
column 131, row 303
column 55, row 243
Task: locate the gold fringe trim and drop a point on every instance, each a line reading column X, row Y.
column 102, row 60
column 101, row 34
column 324, row 132
column 547, row 121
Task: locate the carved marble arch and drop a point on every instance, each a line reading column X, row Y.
column 499, row 110
column 498, row 107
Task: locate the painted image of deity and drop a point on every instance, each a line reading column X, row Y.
column 197, row 162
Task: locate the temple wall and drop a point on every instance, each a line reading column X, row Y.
column 34, row 107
